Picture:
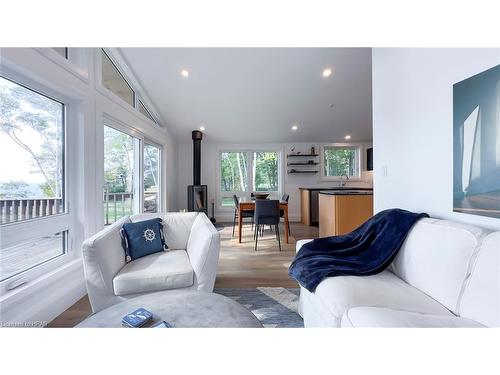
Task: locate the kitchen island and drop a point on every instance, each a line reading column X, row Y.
column 342, row 211
column 309, row 201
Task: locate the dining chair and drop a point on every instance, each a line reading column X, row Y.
column 245, row 214
column 285, row 198
column 267, row 212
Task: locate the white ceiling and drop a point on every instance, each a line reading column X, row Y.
column 255, row 95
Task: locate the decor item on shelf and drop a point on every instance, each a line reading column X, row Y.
column 312, row 150
column 476, row 171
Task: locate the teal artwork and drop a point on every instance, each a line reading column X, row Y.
column 476, row 144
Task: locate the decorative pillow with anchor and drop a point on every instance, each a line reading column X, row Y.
column 142, row 238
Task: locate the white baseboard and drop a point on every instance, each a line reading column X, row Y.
column 37, row 303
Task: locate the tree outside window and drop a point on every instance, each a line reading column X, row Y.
column 340, row 161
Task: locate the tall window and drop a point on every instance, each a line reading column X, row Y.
column 265, row 176
column 339, row 161
column 120, row 152
column 242, row 172
column 151, row 201
column 32, row 183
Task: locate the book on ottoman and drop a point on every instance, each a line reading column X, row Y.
column 137, row 319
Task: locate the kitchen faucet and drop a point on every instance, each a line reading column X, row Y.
column 343, row 183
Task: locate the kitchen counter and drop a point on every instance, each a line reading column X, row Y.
column 336, row 188
column 309, row 200
column 347, row 192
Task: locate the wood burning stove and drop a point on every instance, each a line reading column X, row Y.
column 197, row 193
column 197, row 198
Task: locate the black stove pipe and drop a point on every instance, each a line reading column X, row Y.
column 197, row 136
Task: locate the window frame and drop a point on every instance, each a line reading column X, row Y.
column 33, row 229
column 250, row 177
column 359, row 156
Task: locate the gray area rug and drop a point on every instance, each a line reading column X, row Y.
column 274, row 307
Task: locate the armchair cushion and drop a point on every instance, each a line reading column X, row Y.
column 143, row 238
column 159, row 271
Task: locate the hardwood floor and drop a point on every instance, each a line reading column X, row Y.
column 240, row 266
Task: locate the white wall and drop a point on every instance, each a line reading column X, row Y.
column 291, row 183
column 43, row 298
column 413, row 127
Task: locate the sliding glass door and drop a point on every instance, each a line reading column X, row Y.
column 132, row 177
column 120, row 174
column 151, row 173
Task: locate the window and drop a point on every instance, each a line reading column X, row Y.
column 340, row 161
column 151, row 201
column 114, row 81
column 32, row 138
column 32, row 183
column 120, row 153
column 242, row 172
column 265, row 177
column 27, row 255
column 145, row 111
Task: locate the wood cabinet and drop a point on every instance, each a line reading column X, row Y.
column 342, row 213
column 305, row 206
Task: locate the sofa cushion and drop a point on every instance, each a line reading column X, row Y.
column 435, row 258
column 335, row 295
column 160, row 271
column 381, row 317
column 176, row 227
column 481, row 297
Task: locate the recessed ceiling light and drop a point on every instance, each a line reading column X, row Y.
column 347, row 137
column 295, row 127
column 184, row 73
column 202, row 128
column 327, row 72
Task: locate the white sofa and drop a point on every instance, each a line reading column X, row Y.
column 445, row 275
column 190, row 262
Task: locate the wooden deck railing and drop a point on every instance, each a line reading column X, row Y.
column 18, row 209
column 117, row 205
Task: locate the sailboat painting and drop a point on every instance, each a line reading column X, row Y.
column 476, row 144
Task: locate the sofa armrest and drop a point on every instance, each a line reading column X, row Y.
column 203, row 251
column 103, row 257
column 301, row 243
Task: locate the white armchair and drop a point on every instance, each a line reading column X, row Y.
column 190, row 262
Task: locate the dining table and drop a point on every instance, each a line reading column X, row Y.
column 249, row 205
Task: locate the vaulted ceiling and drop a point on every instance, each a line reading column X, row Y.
column 256, row 95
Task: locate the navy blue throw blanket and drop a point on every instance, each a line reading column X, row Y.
column 365, row 251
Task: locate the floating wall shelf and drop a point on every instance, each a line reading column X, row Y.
column 292, row 171
column 302, row 162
